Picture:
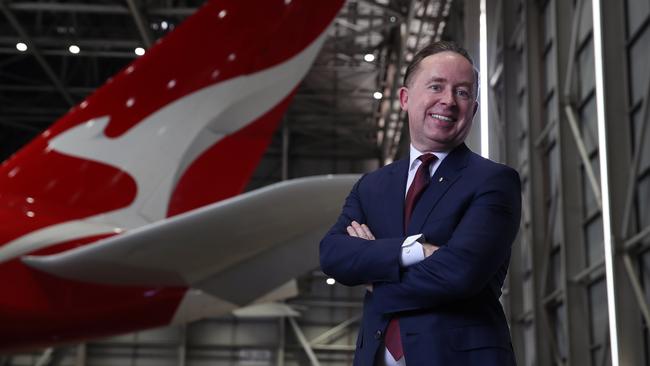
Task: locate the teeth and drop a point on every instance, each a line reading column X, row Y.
column 441, row 117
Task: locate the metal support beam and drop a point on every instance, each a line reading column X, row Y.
column 325, row 336
column 140, row 23
column 45, row 357
column 43, row 88
column 636, row 239
column 539, row 354
column 281, row 344
column 573, row 257
column 569, row 109
column 385, row 8
column 634, row 169
column 36, row 52
column 80, row 357
column 95, row 8
column 85, row 53
column 51, row 357
column 361, row 32
column 636, row 286
column 545, row 271
column 606, row 350
column 586, row 163
column 396, row 81
column 68, row 7
column 182, row 346
column 53, row 42
column 304, row 342
column 21, row 126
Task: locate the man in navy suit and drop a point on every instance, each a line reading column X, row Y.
column 430, row 236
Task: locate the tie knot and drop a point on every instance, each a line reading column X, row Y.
column 426, row 159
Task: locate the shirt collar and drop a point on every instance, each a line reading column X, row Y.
column 415, row 153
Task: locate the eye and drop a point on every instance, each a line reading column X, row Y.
column 463, row 93
column 436, row 87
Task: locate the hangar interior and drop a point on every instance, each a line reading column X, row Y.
column 567, row 86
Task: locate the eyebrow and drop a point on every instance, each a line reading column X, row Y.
column 438, row 79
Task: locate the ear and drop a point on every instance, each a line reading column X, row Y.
column 475, row 109
column 403, row 97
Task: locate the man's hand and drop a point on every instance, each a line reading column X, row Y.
column 363, row 232
column 360, row 231
column 429, row 249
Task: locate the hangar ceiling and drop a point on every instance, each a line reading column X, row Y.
column 344, row 110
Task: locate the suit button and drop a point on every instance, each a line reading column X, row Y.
column 378, row 334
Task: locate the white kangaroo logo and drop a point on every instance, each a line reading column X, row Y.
column 157, row 150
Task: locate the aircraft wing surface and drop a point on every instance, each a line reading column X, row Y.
column 259, row 240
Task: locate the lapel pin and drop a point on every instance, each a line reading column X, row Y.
column 441, row 179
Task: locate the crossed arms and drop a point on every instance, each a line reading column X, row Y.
column 478, row 249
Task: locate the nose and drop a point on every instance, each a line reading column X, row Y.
column 448, row 97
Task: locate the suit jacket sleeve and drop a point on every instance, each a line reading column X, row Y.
column 478, row 248
column 355, row 261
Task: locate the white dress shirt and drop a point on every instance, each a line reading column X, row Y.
column 412, row 250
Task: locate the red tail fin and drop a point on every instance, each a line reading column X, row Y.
column 182, row 126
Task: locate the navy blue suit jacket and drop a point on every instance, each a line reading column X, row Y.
column 448, row 304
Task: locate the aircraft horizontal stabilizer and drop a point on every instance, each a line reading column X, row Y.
column 256, row 241
column 267, row 310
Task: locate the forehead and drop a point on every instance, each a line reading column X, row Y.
column 445, row 65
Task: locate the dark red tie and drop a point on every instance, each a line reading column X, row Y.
column 420, row 182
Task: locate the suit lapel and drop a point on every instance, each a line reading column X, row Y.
column 394, row 202
column 446, row 175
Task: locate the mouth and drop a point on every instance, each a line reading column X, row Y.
column 442, row 118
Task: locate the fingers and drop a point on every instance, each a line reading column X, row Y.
column 360, row 231
column 429, row 249
column 367, row 231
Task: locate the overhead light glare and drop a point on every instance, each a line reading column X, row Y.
column 74, row 49
column 377, row 95
column 20, row 46
column 164, row 25
column 369, row 57
column 606, row 213
column 139, row 51
column 483, row 88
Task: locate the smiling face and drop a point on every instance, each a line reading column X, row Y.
column 440, row 101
